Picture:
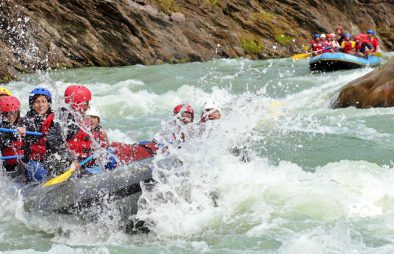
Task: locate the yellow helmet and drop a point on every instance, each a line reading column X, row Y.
column 5, row 91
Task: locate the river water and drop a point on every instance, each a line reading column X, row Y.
column 317, row 180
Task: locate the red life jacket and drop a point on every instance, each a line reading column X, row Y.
column 364, row 37
column 98, row 136
column 326, row 46
column 375, row 43
column 15, row 148
column 317, row 46
column 38, row 149
column 357, row 46
column 80, row 144
column 347, row 47
column 129, row 153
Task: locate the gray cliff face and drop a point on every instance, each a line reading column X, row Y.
column 64, row 34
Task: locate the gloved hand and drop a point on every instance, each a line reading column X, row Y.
column 36, row 171
column 111, row 159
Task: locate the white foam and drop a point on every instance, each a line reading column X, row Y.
column 217, row 196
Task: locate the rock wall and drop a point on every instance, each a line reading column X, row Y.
column 62, row 34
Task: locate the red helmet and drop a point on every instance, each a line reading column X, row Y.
column 9, row 104
column 329, row 36
column 184, row 108
column 357, row 37
column 77, row 94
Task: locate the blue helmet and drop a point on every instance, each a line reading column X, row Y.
column 348, row 35
column 316, row 35
column 370, row 31
column 40, row 91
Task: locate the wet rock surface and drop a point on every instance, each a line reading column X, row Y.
column 376, row 89
column 63, row 34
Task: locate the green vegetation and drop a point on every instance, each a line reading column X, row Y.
column 283, row 39
column 61, row 66
column 214, row 2
column 5, row 79
column 90, row 62
column 277, row 24
column 174, row 60
column 263, row 16
column 251, row 45
column 280, row 37
column 168, row 6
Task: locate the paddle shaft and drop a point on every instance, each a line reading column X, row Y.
column 11, row 157
column 66, row 175
column 27, row 132
column 320, row 50
column 86, row 160
column 305, row 55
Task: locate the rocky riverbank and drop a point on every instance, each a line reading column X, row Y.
column 376, row 89
column 65, row 34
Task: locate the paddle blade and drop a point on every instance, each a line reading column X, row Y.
column 378, row 54
column 301, row 56
column 61, row 178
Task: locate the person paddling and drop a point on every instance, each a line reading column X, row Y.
column 47, row 155
column 348, row 45
column 334, row 43
column 373, row 40
column 362, row 46
column 178, row 129
column 100, row 140
column 99, row 134
column 73, row 118
column 183, row 115
column 316, row 45
column 11, row 143
column 210, row 112
column 341, row 36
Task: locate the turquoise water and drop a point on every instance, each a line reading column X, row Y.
column 318, row 181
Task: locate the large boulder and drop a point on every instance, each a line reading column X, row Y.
column 376, row 89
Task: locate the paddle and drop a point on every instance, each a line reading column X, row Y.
column 94, row 171
column 305, row 55
column 27, row 132
column 66, row 175
column 11, row 157
column 378, row 54
column 301, row 56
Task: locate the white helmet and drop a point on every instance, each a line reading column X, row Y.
column 93, row 112
column 323, row 36
column 211, row 105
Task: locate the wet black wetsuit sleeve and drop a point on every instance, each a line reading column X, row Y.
column 7, row 138
column 56, row 144
column 30, row 124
